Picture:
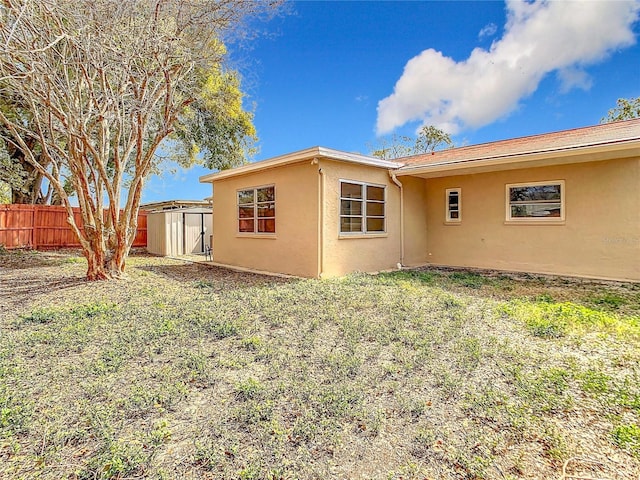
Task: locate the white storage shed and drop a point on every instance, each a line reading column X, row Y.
column 179, row 230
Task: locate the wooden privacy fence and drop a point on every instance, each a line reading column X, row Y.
column 45, row 226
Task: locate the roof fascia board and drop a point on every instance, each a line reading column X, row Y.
column 522, row 157
column 308, row 154
column 357, row 158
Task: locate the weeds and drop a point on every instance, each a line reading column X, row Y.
column 68, row 314
column 180, row 371
column 15, row 413
column 553, row 320
column 116, row 459
column 468, row 279
column 40, row 315
column 249, row 389
column 627, row 437
column 610, row 300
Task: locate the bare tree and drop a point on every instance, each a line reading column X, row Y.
column 396, row 146
column 429, row 138
column 106, row 83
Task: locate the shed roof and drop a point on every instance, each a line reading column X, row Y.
column 176, row 204
column 567, row 143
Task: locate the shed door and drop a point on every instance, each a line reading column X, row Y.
column 197, row 227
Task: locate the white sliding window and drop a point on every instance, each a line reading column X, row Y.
column 362, row 207
column 536, row 201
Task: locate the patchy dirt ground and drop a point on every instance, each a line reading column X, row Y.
column 182, row 370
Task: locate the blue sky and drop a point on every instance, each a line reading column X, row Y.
column 339, row 74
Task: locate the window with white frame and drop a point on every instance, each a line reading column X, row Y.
column 536, row 201
column 362, row 207
column 453, row 211
column 257, row 210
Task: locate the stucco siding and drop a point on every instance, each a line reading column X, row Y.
column 293, row 248
column 599, row 238
column 415, row 221
column 345, row 253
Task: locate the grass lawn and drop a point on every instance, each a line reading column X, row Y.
column 187, row 371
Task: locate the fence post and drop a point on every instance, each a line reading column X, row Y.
column 34, row 225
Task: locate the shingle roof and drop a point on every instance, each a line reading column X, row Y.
column 604, row 134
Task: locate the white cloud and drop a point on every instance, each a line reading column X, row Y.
column 573, row 77
column 488, row 30
column 539, row 38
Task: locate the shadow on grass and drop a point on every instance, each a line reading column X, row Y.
column 214, row 277
column 17, row 290
column 26, row 259
column 422, row 276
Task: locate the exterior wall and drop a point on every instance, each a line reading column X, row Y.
column 342, row 254
column 600, row 237
column 293, row 248
column 164, row 233
column 415, row 221
column 155, row 234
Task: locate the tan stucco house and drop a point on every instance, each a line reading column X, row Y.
column 565, row 203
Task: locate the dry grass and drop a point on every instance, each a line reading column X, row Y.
column 187, row 371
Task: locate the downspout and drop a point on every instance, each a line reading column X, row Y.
column 395, row 180
column 315, row 161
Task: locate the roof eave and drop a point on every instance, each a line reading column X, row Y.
column 552, row 156
column 308, row 154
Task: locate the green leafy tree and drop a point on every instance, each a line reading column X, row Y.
column 25, row 182
column 428, row 140
column 5, row 193
column 215, row 129
column 6, row 179
column 625, row 109
column 107, row 84
column 11, row 174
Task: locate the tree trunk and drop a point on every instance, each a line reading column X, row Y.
column 121, row 251
column 20, row 197
column 30, row 192
column 96, row 268
column 103, row 265
column 106, row 259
